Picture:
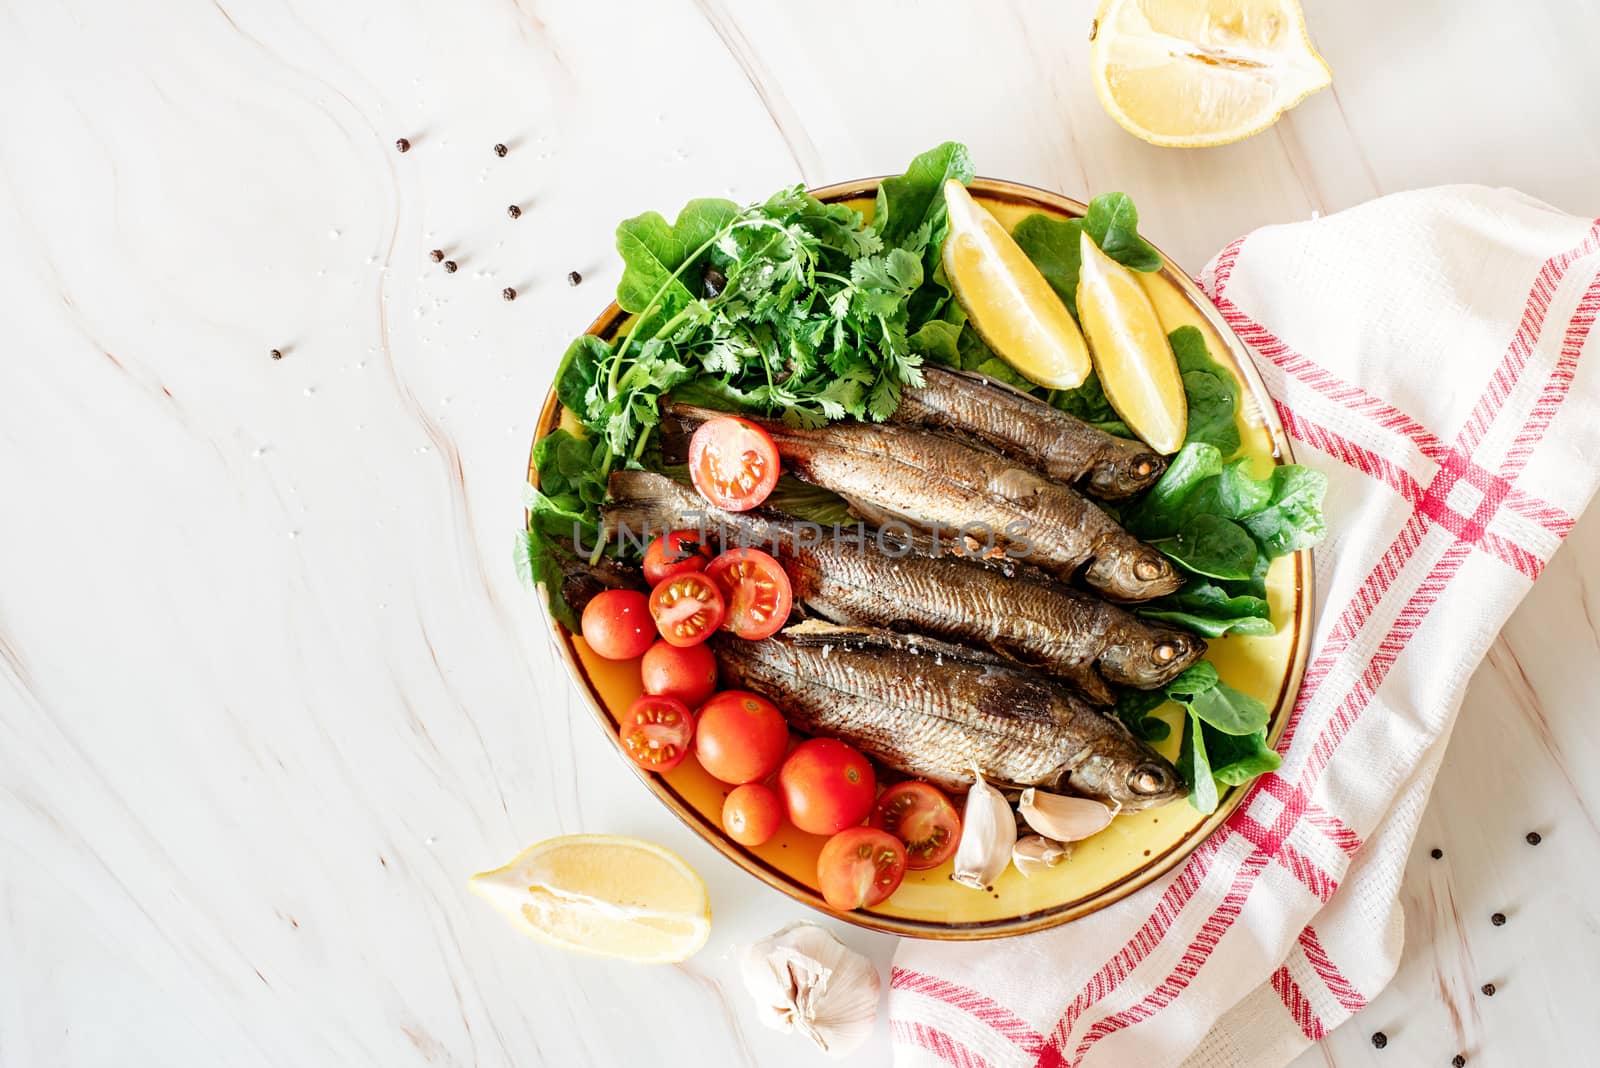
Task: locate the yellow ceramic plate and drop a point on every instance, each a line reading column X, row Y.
column 1135, row 849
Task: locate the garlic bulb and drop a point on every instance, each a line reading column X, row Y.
column 804, row 979
column 1036, row 853
column 1062, row 818
column 988, row 831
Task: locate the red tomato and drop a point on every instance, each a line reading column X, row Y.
column 826, row 786
column 751, row 814
column 616, row 624
column 733, row 463
column 921, row 817
column 755, row 590
column 687, row 608
column 741, row 737
column 675, row 554
column 655, row 732
column 860, row 867
column 688, row 673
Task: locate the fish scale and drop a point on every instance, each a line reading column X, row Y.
column 1001, row 604
column 949, row 487
column 940, row 712
column 1037, row 434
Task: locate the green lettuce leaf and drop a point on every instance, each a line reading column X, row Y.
column 1112, row 222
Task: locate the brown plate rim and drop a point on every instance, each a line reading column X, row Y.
column 1011, row 192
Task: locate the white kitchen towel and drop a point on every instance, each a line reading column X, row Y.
column 1426, row 352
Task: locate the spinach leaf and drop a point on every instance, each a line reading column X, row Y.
column 1134, row 708
column 1212, row 392
column 1053, row 246
column 1292, row 517
column 1211, row 545
column 916, row 198
column 1194, row 766
column 656, row 281
column 1160, row 511
column 938, row 340
column 1228, row 710
column 1212, row 611
column 580, row 367
column 1237, row 758
column 1113, row 223
column 1197, row 678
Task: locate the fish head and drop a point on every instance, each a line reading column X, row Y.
column 1125, row 771
column 1132, row 473
column 1150, row 656
column 1136, row 572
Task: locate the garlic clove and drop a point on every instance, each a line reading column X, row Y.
column 1036, row 853
column 804, row 979
column 1062, row 818
column 988, row 831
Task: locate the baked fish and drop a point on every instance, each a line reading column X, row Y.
column 897, row 474
column 1028, row 430
column 855, row 577
column 940, row 712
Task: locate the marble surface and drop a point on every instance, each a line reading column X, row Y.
column 269, row 691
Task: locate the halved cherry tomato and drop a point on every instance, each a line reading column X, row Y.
column 921, row 817
column 655, row 732
column 687, row 608
column 751, row 814
column 675, row 554
column 826, row 786
column 755, row 589
column 616, row 624
column 688, row 673
column 860, row 867
column 733, row 463
column 741, row 737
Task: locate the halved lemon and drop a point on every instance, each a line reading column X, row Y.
column 1007, row 300
column 1191, row 73
column 1131, row 353
column 604, row 895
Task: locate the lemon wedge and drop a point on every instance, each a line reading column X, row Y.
column 1190, row 73
column 604, row 895
column 1132, row 356
column 1007, row 300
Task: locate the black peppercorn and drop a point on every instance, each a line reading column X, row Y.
column 573, row 278
column 713, row 281
column 508, row 293
column 1379, row 1040
column 1488, row 990
column 1534, row 838
column 277, row 354
column 1436, row 853
column 403, row 145
column 500, row 150
column 1458, row 1061
column 1498, row 919
column 449, row 266
column 437, row 255
column 514, row 211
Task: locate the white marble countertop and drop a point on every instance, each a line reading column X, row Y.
column 269, row 691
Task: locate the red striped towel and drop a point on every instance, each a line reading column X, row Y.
column 1426, row 353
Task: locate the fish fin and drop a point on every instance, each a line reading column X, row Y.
column 645, row 501
column 1087, row 681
